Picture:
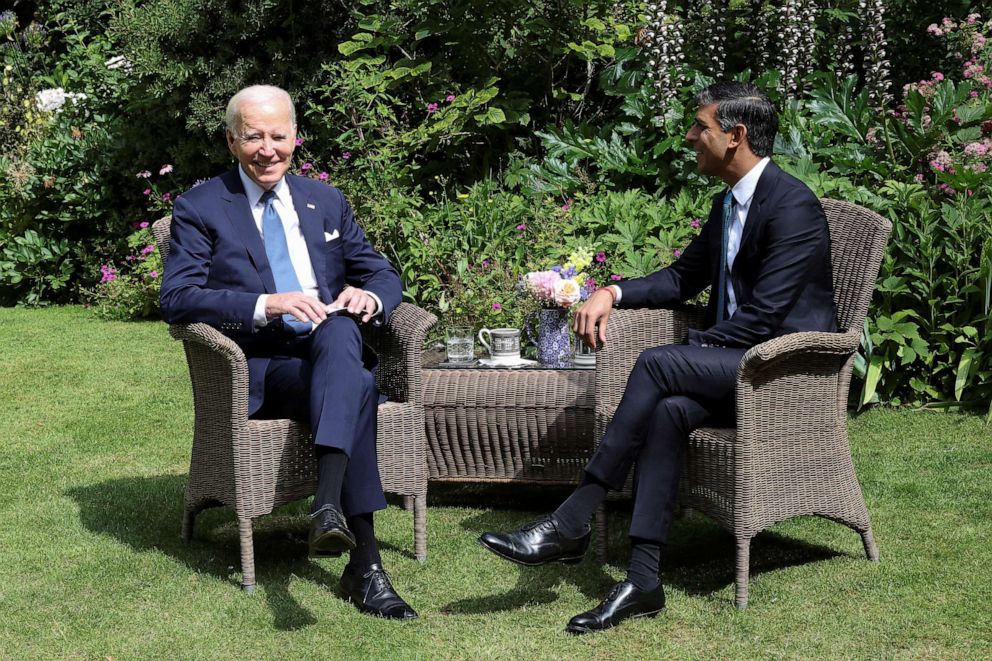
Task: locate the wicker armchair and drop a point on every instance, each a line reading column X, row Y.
column 257, row 465
column 789, row 455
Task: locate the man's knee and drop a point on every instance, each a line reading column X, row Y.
column 338, row 335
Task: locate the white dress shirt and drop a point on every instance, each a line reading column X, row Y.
column 299, row 255
column 743, row 192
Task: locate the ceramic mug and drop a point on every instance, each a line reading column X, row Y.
column 503, row 344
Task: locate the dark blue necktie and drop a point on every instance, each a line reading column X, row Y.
column 721, row 284
column 277, row 251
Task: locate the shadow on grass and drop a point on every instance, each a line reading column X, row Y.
column 145, row 514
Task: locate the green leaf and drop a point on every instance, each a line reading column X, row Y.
column 963, row 372
column 872, row 377
column 491, row 116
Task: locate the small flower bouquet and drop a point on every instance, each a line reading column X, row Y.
column 567, row 284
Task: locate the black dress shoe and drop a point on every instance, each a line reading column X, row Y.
column 536, row 543
column 372, row 593
column 623, row 601
column 329, row 534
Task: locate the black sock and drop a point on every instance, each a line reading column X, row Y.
column 331, row 465
column 366, row 552
column 645, row 563
column 574, row 514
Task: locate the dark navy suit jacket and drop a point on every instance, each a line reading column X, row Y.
column 217, row 265
column 782, row 274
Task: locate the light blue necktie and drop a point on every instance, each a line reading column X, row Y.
column 721, row 290
column 277, row 251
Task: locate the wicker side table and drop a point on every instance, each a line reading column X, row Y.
column 509, row 425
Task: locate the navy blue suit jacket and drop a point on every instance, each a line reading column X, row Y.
column 782, row 274
column 217, row 265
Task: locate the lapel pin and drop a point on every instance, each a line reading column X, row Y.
column 311, row 206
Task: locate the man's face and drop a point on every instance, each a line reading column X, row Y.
column 265, row 142
column 709, row 141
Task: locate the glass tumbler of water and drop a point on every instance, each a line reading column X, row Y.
column 460, row 345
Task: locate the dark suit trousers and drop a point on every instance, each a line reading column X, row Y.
column 321, row 379
column 671, row 391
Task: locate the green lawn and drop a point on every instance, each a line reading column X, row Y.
column 95, row 444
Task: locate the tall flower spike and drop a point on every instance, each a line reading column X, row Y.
column 662, row 39
column 760, row 21
column 877, row 81
column 789, row 43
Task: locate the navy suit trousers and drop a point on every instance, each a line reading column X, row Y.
column 321, row 379
column 672, row 390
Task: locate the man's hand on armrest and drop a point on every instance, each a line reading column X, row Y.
column 358, row 302
column 596, row 310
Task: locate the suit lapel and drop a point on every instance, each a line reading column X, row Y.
column 312, row 225
column 240, row 216
column 766, row 184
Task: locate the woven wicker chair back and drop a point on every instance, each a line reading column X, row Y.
column 857, row 244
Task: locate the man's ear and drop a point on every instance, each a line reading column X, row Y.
column 230, row 139
column 738, row 136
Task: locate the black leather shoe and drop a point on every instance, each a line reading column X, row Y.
column 624, row 600
column 372, row 593
column 536, row 543
column 329, row 534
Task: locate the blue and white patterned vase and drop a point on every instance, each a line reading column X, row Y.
column 554, row 338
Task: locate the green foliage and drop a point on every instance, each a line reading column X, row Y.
column 130, row 292
column 34, row 268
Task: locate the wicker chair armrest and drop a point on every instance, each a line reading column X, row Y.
column 808, row 343
column 219, row 375
column 628, row 333
column 399, row 345
column 795, row 386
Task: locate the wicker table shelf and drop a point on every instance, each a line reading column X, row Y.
column 509, row 425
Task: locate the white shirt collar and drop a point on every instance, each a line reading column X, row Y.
column 743, row 190
column 254, row 192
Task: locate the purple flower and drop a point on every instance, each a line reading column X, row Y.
column 431, row 107
column 143, row 224
column 346, row 155
column 601, row 256
column 486, row 263
column 306, row 166
column 521, row 226
column 299, row 141
column 566, row 206
column 695, row 223
column 323, row 176
column 677, row 252
column 147, row 249
column 497, row 306
column 147, row 191
column 449, row 98
column 556, row 269
column 109, row 274
column 615, row 276
column 154, row 274
column 166, row 197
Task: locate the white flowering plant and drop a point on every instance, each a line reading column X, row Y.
column 565, row 285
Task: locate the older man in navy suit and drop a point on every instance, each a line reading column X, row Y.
column 277, row 262
column 765, row 254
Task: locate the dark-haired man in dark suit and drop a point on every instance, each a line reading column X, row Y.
column 266, row 257
column 765, row 253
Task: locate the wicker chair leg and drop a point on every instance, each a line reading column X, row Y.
column 600, row 525
column 408, row 503
column 189, row 518
column 420, row 527
column 868, row 538
column 247, row 555
column 743, row 571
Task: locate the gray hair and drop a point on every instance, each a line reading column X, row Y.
column 743, row 103
column 232, row 118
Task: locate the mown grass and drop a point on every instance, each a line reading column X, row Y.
column 95, row 443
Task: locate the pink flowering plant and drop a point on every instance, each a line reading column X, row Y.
column 568, row 284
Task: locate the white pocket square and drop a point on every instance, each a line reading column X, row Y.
column 330, row 236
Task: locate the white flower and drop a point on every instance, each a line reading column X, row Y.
column 50, row 100
column 118, row 62
column 567, row 292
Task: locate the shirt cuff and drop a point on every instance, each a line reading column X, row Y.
column 619, row 294
column 259, row 316
column 378, row 304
